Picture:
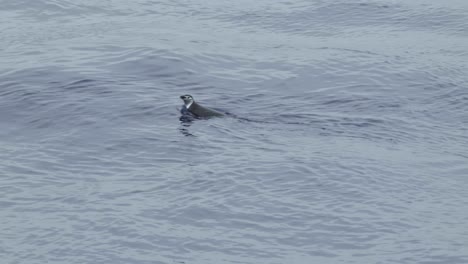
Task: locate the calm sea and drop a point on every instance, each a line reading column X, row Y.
column 347, row 143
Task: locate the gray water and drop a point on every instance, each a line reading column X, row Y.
column 347, row 143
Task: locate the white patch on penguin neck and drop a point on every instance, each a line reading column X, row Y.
column 188, row 105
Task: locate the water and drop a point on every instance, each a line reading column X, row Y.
column 349, row 143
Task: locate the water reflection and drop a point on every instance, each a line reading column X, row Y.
column 186, row 120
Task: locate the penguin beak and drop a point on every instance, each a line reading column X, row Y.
column 182, row 97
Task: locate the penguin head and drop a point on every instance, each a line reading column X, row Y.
column 188, row 100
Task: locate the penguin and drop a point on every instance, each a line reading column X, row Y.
column 197, row 110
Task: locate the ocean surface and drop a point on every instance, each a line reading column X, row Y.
column 347, row 139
